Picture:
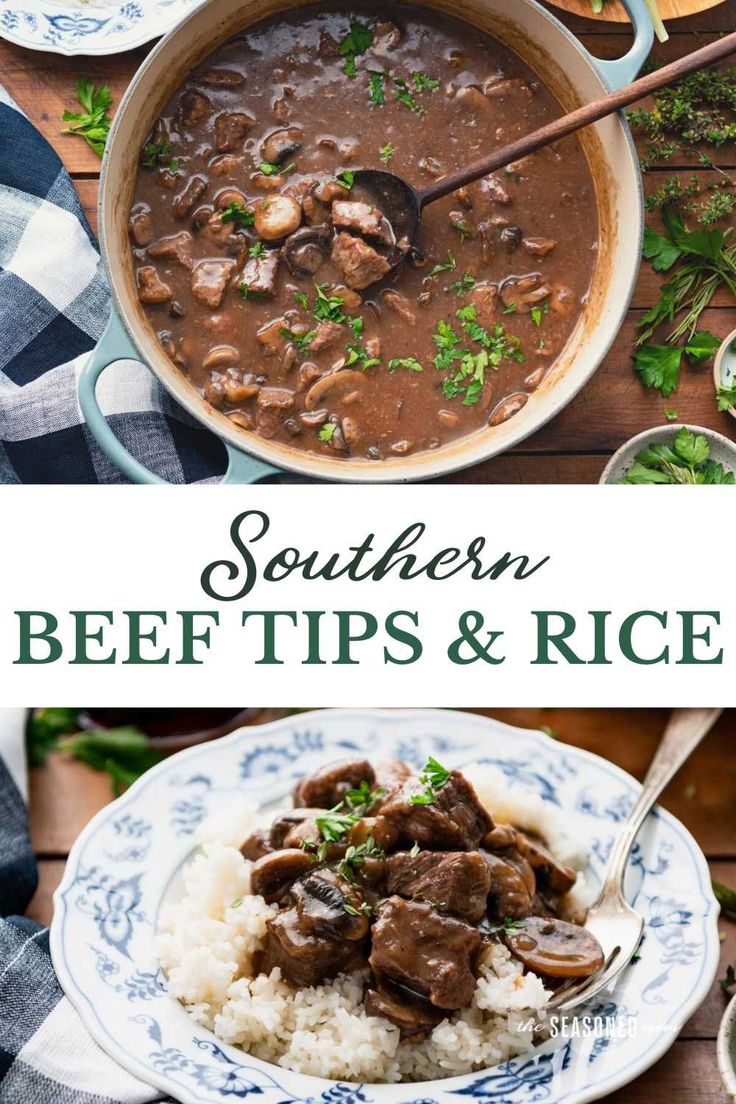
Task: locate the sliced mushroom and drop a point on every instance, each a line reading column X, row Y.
column 277, row 217
column 280, row 144
column 306, row 249
column 256, row 845
column 524, row 292
column 330, row 905
column 334, row 384
column 273, row 874
column 506, row 409
column 554, row 948
column 220, row 356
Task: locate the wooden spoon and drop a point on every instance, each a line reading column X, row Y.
column 402, row 205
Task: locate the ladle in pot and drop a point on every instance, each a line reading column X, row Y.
column 402, row 205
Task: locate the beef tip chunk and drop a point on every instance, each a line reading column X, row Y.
column 330, row 905
column 231, row 128
column 328, row 786
column 175, row 246
column 210, row 280
column 429, row 953
column 500, row 837
column 288, row 819
column 453, row 820
column 550, row 871
column 361, row 218
column 140, row 224
column 453, row 881
column 326, row 334
column 512, row 886
column 150, row 288
column 259, row 274
column 414, row 1017
column 193, row 107
column 359, row 262
column 400, row 305
column 190, row 195
column 484, row 297
column 391, row 774
column 256, row 845
column 378, row 829
column 304, row 957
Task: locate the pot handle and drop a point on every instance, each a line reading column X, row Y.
column 621, row 71
column 114, row 345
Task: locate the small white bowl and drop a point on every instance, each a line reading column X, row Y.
column 724, row 365
column 721, row 449
column 726, row 1048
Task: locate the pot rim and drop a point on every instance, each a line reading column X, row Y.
column 465, row 452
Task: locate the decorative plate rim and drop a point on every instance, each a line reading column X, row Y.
column 588, row 1092
column 148, row 28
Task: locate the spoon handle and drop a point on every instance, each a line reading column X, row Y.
column 685, row 729
column 581, row 117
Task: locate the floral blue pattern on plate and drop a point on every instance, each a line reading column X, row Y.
column 125, row 860
column 89, row 28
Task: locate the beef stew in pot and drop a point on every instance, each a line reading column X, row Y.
column 265, row 274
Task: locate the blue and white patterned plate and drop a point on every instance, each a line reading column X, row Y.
column 106, row 907
column 89, row 28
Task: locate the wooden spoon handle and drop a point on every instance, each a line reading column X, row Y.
column 581, row 117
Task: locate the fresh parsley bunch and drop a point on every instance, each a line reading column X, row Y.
column 92, row 124
column 686, row 460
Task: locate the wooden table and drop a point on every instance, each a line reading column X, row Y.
column 64, row 795
column 612, row 407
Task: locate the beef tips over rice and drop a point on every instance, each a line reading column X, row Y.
column 391, row 926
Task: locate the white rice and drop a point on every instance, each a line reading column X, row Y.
column 207, row 941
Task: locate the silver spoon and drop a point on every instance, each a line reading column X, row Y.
column 615, row 924
column 402, row 205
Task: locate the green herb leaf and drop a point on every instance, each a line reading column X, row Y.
column 346, row 178
column 659, row 250
column 358, row 39
column 237, row 213
column 333, row 826
column 386, row 152
column 123, row 753
column 44, row 730
column 94, row 123
column 443, row 266
column 726, row 898
column 701, row 347
column 328, row 308
column 326, row 432
column 659, row 366
column 376, row 89
column 256, row 250
column 269, row 169
column 409, row 363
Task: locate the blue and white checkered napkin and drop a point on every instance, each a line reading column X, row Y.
column 46, row 1055
column 54, row 304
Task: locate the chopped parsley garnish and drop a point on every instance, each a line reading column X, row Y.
column 433, row 777
column 328, row 308
column 364, row 910
column 356, row 354
column 300, row 340
column 415, row 850
column 269, row 169
column 155, row 153
column 686, row 460
column 355, row 857
column 327, row 431
column 443, row 266
column 464, row 284
column 93, row 124
column 256, row 250
column 405, row 93
column 510, row 308
column 409, row 363
column 360, row 799
column 671, row 415
column 510, row 925
column 386, row 152
column 462, row 228
column 237, row 213
column 333, row 826
column 726, row 898
column 358, row 39
column 377, row 89
column 356, row 325
column 468, row 368
column 346, row 179
column 249, row 292
column 538, row 313
column 302, row 299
